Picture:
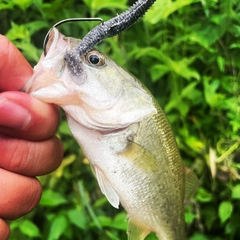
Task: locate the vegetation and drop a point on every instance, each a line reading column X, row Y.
column 187, row 53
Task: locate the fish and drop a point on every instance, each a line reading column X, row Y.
column 123, row 132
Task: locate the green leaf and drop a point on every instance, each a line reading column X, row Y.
column 210, row 215
column 151, row 52
column 225, row 211
column 213, row 98
column 29, row 228
column 189, row 217
column 78, row 218
column 195, row 143
column 17, row 32
column 100, row 202
column 221, row 63
column 64, row 128
column 151, row 236
column 23, row 4
column 120, row 221
column 105, row 221
column 204, row 196
column 58, row 227
column 208, row 34
column 35, row 26
column 192, row 93
column 236, row 192
column 235, row 30
column 157, row 71
column 182, row 68
column 198, row 236
column 162, row 9
column 97, row 5
column 234, row 45
column 52, row 199
column 7, row 5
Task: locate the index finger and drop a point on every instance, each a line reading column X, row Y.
column 14, row 68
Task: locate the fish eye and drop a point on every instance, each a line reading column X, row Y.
column 95, row 58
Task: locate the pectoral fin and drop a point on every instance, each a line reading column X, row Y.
column 135, row 231
column 106, row 188
column 141, row 158
column 191, row 183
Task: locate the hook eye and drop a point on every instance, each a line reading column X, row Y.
column 65, row 21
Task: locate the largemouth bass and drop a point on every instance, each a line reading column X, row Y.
column 124, row 134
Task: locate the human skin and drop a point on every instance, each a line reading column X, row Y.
column 28, row 147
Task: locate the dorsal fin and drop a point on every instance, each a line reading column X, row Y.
column 191, row 183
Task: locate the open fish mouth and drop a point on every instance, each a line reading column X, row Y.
column 50, row 68
column 56, row 40
column 52, row 39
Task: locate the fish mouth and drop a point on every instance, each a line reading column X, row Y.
column 56, row 39
column 52, row 40
column 50, row 66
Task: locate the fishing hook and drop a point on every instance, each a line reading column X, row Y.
column 65, row 21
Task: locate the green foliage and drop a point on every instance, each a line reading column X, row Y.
column 225, row 210
column 188, row 56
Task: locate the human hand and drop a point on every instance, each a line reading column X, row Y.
column 28, row 147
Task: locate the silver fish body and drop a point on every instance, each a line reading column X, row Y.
column 124, row 134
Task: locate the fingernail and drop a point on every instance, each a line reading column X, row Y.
column 13, row 115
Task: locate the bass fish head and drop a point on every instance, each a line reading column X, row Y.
column 98, row 94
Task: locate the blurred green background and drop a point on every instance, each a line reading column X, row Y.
column 187, row 52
